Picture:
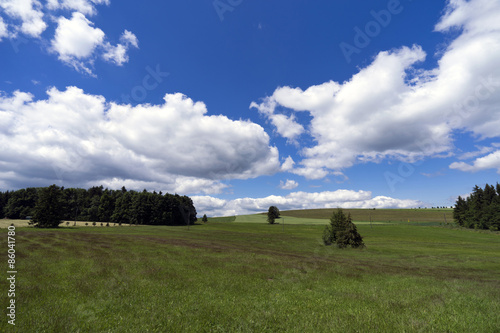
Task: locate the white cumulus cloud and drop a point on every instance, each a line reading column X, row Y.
column 118, row 54
column 82, row 6
column 490, row 161
column 298, row 200
column 28, row 12
column 77, row 139
column 393, row 110
column 288, row 185
column 128, row 38
column 76, row 41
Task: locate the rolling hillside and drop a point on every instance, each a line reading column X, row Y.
column 378, row 215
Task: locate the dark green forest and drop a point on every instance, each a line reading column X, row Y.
column 481, row 209
column 104, row 205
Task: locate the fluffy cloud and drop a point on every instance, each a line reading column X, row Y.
column 490, row 161
column 286, row 126
column 288, row 164
column 129, row 39
column 391, row 109
column 118, row 54
column 288, row 185
column 29, row 12
column 298, row 200
column 83, row 6
column 81, row 139
column 76, row 41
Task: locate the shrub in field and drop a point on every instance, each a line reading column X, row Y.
column 342, row 231
column 204, row 219
column 350, row 237
column 327, row 236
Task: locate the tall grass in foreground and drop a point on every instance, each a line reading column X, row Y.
column 228, row 277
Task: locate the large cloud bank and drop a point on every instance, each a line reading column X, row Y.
column 79, row 139
column 392, row 109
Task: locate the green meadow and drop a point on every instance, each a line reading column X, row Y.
column 239, row 274
column 360, row 216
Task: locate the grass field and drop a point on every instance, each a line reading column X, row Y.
column 4, row 223
column 249, row 277
column 379, row 215
column 360, row 216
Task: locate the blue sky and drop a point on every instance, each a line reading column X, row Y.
column 245, row 104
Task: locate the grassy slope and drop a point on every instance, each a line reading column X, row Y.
column 360, row 216
column 379, row 215
column 314, row 216
column 229, row 277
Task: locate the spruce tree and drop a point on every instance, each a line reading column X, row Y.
column 342, row 231
column 459, row 213
column 481, row 209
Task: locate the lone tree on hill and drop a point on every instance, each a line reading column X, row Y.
column 342, row 231
column 272, row 214
column 48, row 209
column 204, row 218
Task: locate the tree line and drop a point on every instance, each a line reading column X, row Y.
column 480, row 210
column 101, row 205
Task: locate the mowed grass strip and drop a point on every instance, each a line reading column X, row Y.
column 242, row 277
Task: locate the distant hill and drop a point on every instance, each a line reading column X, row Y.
column 378, row 215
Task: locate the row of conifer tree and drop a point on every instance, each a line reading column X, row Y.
column 480, row 210
column 101, row 205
